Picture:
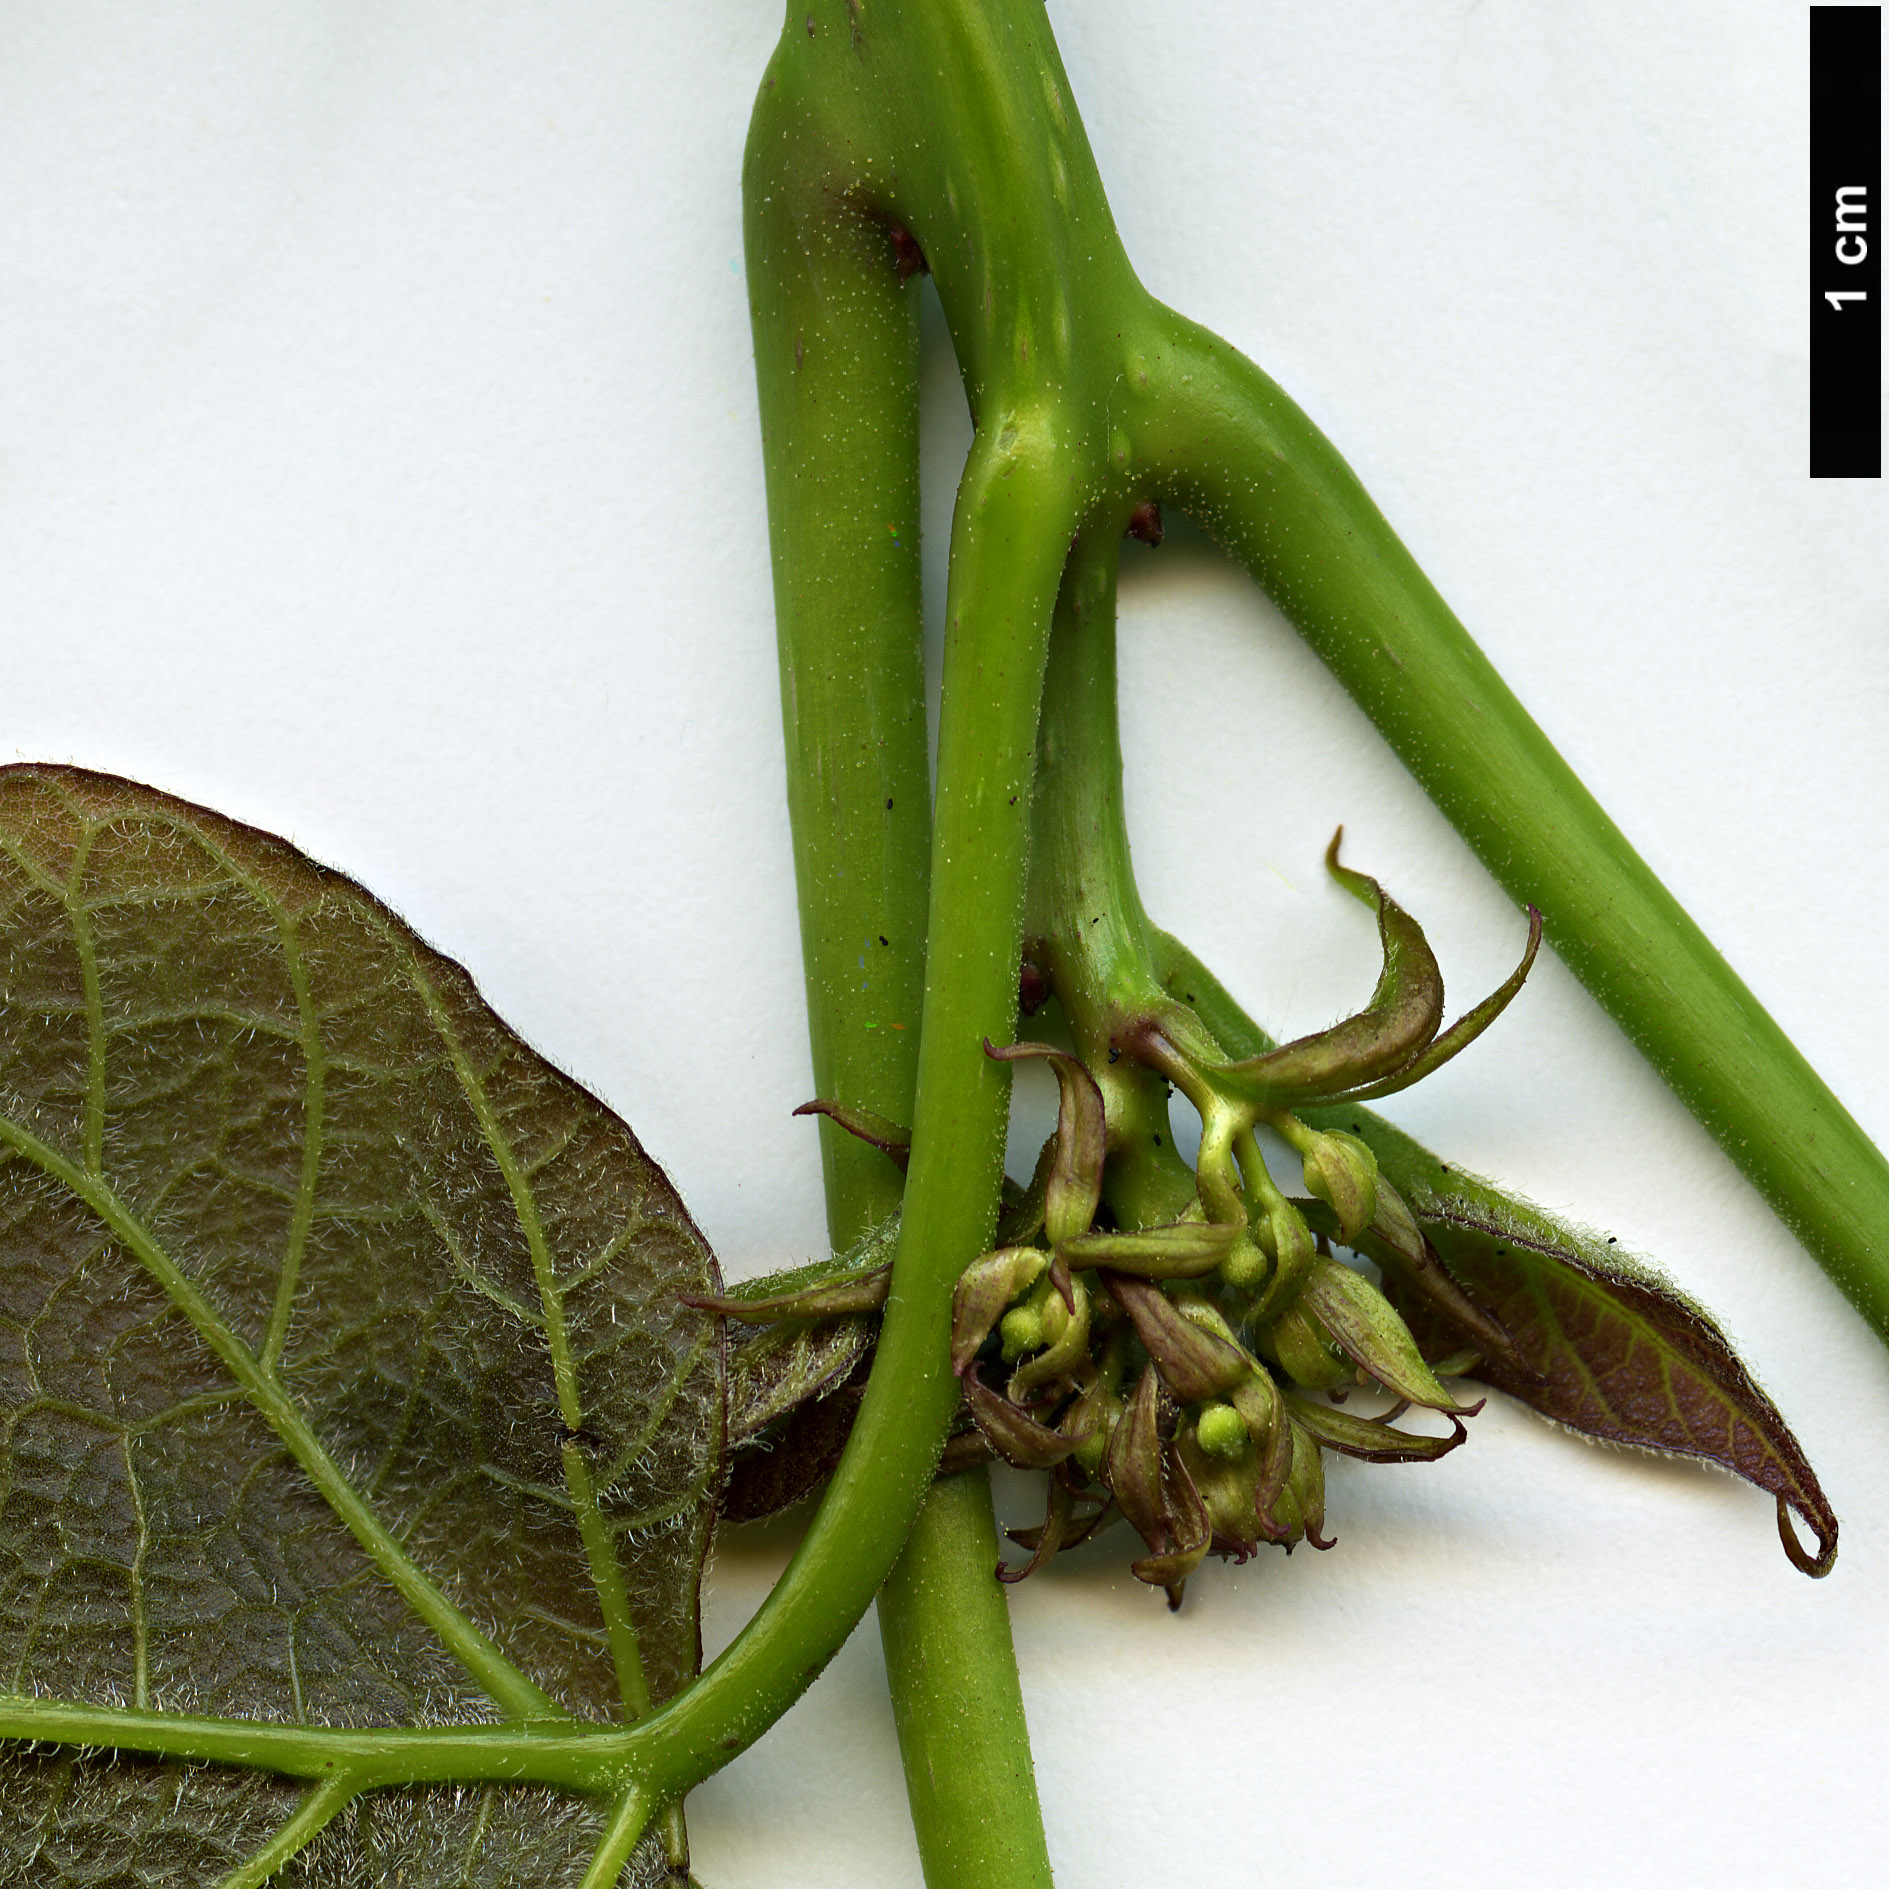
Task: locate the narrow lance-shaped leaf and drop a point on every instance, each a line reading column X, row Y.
column 345, row 1372
column 1622, row 1356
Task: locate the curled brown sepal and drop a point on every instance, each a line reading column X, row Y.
column 1619, row 1354
column 1075, row 1177
column 1262, row 1405
column 984, row 1288
column 1153, row 1490
column 1462, row 1032
column 1020, row 1215
column 1371, row 1438
column 1182, row 1249
column 1101, row 1513
column 1396, row 1025
column 1049, row 1538
column 1190, row 1531
column 1195, row 1363
column 864, row 1292
column 1014, row 1434
column 1298, row 1511
column 1364, row 1326
column 894, row 1142
column 1134, row 1462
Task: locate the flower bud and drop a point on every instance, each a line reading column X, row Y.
column 1065, row 1337
column 986, row 1286
column 1183, row 1249
column 1245, row 1267
column 1021, row 1331
column 1054, row 1315
column 1396, row 1225
column 1195, row 1362
column 1342, row 1171
column 1222, row 1432
column 1227, row 1491
column 1304, row 1350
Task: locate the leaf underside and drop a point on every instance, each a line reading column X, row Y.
column 1621, row 1355
column 319, row 1292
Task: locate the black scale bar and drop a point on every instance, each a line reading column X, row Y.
column 1846, row 242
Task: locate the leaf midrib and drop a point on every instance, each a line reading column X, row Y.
column 515, row 1694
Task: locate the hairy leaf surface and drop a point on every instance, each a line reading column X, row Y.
column 1620, row 1354
column 344, row 1374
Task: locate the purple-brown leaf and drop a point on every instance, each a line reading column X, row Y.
column 1623, row 1358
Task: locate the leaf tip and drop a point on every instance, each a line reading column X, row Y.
column 1815, row 1565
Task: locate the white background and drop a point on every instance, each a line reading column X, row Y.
column 379, row 463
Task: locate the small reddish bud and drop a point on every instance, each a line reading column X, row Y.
column 905, row 247
column 1033, row 990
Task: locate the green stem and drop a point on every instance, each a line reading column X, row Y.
column 628, row 1819
column 836, row 361
column 836, row 357
column 960, row 1713
column 1086, row 926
